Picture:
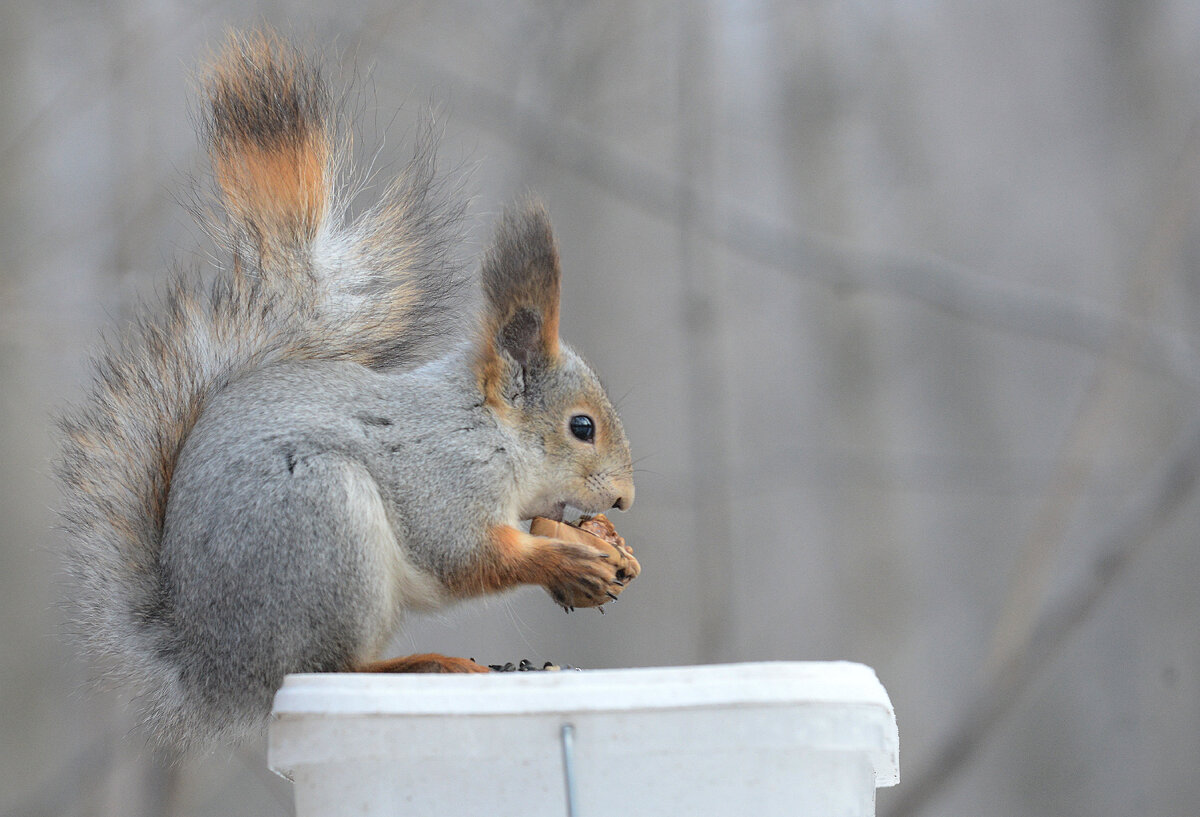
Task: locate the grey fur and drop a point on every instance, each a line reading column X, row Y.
column 272, row 467
column 263, row 562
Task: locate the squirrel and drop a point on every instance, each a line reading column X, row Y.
column 282, row 458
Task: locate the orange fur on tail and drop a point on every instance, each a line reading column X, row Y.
column 270, row 142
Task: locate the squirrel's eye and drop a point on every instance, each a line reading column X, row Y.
column 583, row 427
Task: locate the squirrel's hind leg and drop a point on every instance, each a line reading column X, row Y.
column 425, row 662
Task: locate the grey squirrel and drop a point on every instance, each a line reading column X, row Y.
column 274, row 465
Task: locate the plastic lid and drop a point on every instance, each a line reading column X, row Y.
column 851, row 689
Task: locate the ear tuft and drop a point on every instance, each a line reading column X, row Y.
column 521, row 289
column 521, row 277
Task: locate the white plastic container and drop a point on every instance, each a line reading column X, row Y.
column 794, row 738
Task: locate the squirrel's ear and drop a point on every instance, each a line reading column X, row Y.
column 521, row 287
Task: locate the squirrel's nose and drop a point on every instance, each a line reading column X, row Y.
column 625, row 499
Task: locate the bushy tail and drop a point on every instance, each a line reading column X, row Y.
column 298, row 283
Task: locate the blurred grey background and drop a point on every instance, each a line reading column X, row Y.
column 899, row 300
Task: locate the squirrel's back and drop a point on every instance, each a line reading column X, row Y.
column 297, row 282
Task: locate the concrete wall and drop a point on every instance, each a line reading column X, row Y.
column 899, row 300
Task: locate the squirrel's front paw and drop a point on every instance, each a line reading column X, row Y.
column 600, row 526
column 582, row 566
column 586, row 575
